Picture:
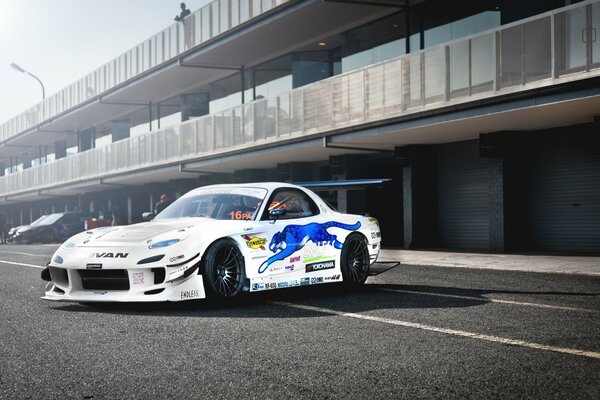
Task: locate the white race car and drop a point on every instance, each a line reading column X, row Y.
column 217, row 241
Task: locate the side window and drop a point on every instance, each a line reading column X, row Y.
column 296, row 204
column 67, row 219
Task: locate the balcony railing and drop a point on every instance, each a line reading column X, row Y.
column 549, row 49
column 204, row 24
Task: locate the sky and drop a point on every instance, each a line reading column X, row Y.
column 61, row 41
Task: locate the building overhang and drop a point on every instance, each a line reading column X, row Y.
column 532, row 114
column 295, row 25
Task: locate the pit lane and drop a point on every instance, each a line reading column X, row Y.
column 397, row 337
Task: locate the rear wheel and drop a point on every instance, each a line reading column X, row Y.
column 355, row 260
column 224, row 270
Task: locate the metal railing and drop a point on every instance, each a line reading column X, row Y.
column 545, row 50
column 204, row 24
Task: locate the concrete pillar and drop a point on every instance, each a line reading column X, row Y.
column 419, row 195
column 60, row 149
column 86, row 139
column 120, row 129
column 2, row 168
column 356, row 168
column 129, row 210
column 194, row 105
column 509, row 168
column 496, row 204
column 26, row 159
column 350, row 166
column 407, row 200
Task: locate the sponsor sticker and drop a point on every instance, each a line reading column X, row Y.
column 270, row 285
column 257, row 286
column 314, row 281
column 277, row 268
column 304, row 281
column 294, row 282
column 179, row 257
column 177, row 271
column 320, row 266
column 375, row 235
column 109, row 255
column 332, row 278
column 313, row 251
column 289, row 268
column 138, row 278
column 255, row 242
column 294, row 259
column 190, row 294
column 93, row 266
column 281, row 285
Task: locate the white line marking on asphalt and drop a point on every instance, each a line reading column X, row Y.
column 454, row 332
column 21, row 264
column 25, row 254
column 488, row 300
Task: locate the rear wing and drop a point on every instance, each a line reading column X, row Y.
column 352, row 184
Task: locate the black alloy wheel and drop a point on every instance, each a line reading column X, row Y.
column 355, row 260
column 224, row 270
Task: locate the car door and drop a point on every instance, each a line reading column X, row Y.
column 289, row 222
column 68, row 225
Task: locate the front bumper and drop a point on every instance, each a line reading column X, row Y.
column 120, row 285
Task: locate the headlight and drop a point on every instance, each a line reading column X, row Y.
column 164, row 243
column 68, row 245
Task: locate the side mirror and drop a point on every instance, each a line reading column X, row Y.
column 148, row 216
column 277, row 213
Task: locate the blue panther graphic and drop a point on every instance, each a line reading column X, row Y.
column 293, row 238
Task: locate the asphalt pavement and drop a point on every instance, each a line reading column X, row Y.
column 412, row 331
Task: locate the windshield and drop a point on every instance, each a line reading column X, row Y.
column 39, row 220
column 48, row 219
column 218, row 203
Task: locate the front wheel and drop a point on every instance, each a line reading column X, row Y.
column 224, row 270
column 355, row 260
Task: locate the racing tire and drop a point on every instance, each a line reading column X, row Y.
column 47, row 237
column 224, row 270
column 355, row 260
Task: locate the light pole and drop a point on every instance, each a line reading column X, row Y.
column 17, row 68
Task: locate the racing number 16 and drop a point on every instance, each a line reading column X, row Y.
column 240, row 215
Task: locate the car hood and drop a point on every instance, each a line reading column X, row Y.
column 140, row 233
column 27, row 228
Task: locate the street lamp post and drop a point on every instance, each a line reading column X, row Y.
column 17, row 68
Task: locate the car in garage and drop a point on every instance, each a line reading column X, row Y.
column 51, row 228
column 217, row 241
